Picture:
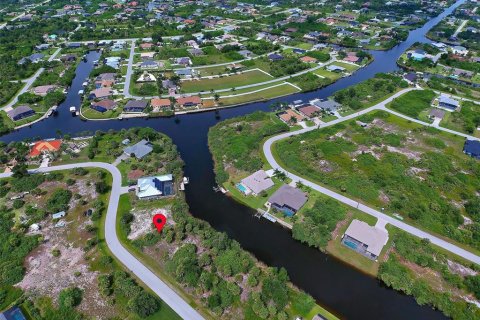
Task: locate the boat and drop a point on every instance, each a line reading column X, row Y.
column 73, row 109
column 80, row 92
column 186, row 180
column 85, row 84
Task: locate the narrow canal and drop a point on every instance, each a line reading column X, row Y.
column 336, row 286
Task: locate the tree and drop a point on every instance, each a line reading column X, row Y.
column 70, row 298
column 20, row 170
column 143, row 304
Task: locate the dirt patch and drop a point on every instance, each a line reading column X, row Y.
column 340, row 225
column 48, row 275
column 383, row 197
column 415, row 155
column 142, row 223
column 460, row 269
column 325, row 166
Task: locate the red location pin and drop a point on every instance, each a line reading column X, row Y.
column 159, row 221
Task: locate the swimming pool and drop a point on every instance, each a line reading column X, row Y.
column 350, row 245
column 242, row 188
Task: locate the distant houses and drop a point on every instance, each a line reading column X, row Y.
column 365, row 239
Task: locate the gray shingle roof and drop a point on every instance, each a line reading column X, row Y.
column 290, row 196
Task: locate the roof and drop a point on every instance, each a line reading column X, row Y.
column 151, row 186
column 290, row 196
column 373, row 237
column 160, row 102
column 189, row 100
column 102, row 92
column 136, row 104
column 139, row 149
column 327, row 104
column 288, row 114
column 309, row 110
column 41, row 146
column 334, row 67
column 472, row 147
column 18, row 111
column 258, row 182
column 14, row 313
column 107, row 104
column 43, row 90
column 437, row 113
column 308, row 59
column 447, row 100
column 58, row 215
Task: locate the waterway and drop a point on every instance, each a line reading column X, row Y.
column 336, row 286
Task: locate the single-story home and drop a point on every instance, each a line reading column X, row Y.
column 287, row 116
column 189, row 101
column 158, row 103
column 472, row 148
column 288, row 199
column 196, row 52
column 187, row 73
column 149, row 64
column 154, row 187
column 246, row 53
column 100, row 93
column 327, row 105
column 365, row 239
column 43, row 90
column 186, row 61
column 20, row 112
column 139, row 149
column 459, row 50
column 335, row 68
column 447, row 102
column 275, row 57
column 135, row 106
column 308, row 59
column 110, row 76
column 103, row 105
column 41, row 147
column 309, row 111
column 255, row 183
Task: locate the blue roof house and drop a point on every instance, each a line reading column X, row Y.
column 472, row 148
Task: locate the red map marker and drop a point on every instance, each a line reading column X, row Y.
column 159, row 221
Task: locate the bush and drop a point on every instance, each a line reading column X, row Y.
column 144, row 304
column 18, row 203
column 70, row 298
column 59, row 200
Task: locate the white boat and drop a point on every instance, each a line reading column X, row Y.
column 73, row 109
column 186, row 180
column 85, row 84
column 80, row 92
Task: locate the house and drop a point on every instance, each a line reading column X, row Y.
column 327, row 105
column 235, row 67
column 417, row 55
column 100, row 93
column 149, row 64
column 352, row 57
column 288, row 200
column 104, row 84
column 14, row 313
column 145, row 46
column 135, row 106
column 43, row 46
column 246, row 53
column 146, row 77
column 20, row 112
column 472, row 148
column 275, row 57
column 58, row 215
column 436, row 113
column 103, row 105
column 447, row 102
column 155, row 187
column 44, row 90
column 187, row 72
column 309, row 111
column 365, row 239
column 335, row 68
column 192, row 101
column 147, row 55
column 196, row 52
column 159, row 103
column 34, row 58
column 183, row 61
column 68, row 58
column 139, row 149
column 41, row 147
column 288, row 115
column 255, row 183
column 106, row 76
column 459, row 50
column 74, row 45
column 308, row 59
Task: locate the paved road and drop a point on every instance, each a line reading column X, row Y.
column 168, row 295
column 29, row 82
column 267, row 150
column 126, row 85
column 460, row 28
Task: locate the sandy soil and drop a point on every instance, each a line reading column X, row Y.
column 142, row 223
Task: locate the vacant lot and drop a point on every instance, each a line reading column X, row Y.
column 234, row 81
column 415, row 171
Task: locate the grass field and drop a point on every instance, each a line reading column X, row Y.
column 271, row 93
column 328, row 74
column 348, row 66
column 234, row 81
column 89, row 113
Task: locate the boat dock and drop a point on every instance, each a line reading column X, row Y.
column 263, row 214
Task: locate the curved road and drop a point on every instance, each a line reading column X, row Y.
column 182, row 308
column 267, row 150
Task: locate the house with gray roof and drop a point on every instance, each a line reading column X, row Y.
column 335, row 68
column 139, row 149
column 365, row 239
column 327, row 105
column 135, row 106
column 20, row 112
column 288, row 200
column 255, row 183
column 448, row 103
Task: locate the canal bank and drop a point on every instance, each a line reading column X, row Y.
column 336, row 286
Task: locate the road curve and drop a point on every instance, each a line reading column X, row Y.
column 267, row 150
column 182, row 308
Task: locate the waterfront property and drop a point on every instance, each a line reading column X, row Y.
column 135, row 106
column 255, row 183
column 472, row 148
column 309, row 111
column 155, row 186
column 20, row 112
column 139, row 149
column 288, row 200
column 327, row 105
column 364, row 239
column 103, row 105
column 42, row 147
column 289, row 116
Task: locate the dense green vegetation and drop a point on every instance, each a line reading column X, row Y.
column 383, row 177
column 310, row 82
column 237, row 142
column 318, row 222
column 467, row 119
column 286, row 66
column 368, row 92
column 396, row 274
column 413, row 103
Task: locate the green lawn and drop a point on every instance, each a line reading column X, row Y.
column 225, row 82
column 348, row 66
column 271, row 93
column 413, row 103
column 328, row 74
column 90, row 113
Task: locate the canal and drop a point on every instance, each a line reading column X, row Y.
column 336, row 286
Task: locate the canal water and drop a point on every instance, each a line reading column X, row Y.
column 336, row 286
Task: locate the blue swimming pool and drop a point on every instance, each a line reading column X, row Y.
column 350, row 244
column 241, row 187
